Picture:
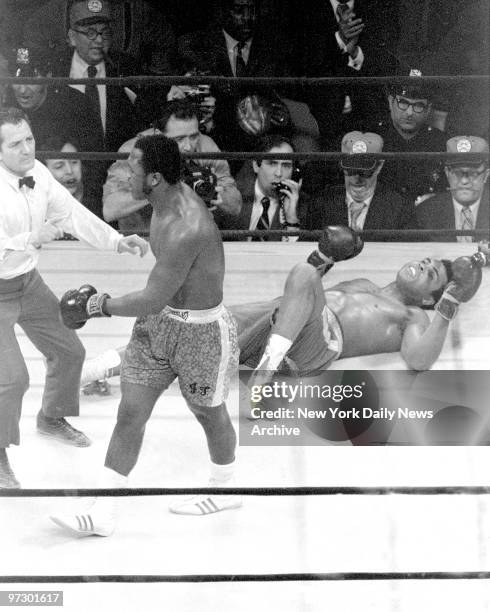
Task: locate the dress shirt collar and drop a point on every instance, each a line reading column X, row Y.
column 11, row 178
column 258, row 208
column 459, row 207
column 79, row 67
column 231, row 44
column 335, row 4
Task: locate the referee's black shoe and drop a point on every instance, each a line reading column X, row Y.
column 60, row 429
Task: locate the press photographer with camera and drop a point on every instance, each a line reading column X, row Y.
column 274, row 199
column 178, row 121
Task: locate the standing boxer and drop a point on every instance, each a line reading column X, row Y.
column 183, row 331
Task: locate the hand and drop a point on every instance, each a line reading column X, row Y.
column 79, row 305
column 133, row 244
column 176, row 92
column 349, row 29
column 47, row 233
column 289, row 199
column 467, row 277
column 484, row 250
column 217, row 202
column 337, row 243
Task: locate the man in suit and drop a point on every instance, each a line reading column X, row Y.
column 236, row 45
column 465, row 205
column 272, row 200
column 90, row 36
column 362, row 202
column 347, row 38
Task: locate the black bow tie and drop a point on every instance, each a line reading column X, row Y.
column 28, row 181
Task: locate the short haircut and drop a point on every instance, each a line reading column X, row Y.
column 11, row 115
column 160, row 154
column 271, row 141
column 58, row 141
column 182, row 109
column 437, row 294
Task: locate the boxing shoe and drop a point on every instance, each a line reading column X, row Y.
column 101, row 367
column 7, row 476
column 198, row 505
column 88, row 524
column 97, row 387
column 61, row 430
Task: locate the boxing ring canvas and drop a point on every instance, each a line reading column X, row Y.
column 271, row 534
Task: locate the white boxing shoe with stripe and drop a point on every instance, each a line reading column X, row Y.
column 206, row 504
column 84, row 524
column 198, row 505
column 98, row 520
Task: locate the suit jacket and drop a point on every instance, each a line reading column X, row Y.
column 438, row 213
column 388, row 210
column 206, row 51
column 322, row 57
column 122, row 119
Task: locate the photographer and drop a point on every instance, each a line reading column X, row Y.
column 272, row 200
column 179, row 121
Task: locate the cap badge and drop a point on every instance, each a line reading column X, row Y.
column 359, row 146
column 22, row 56
column 463, row 145
column 94, row 6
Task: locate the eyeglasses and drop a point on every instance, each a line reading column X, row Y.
column 472, row 175
column 92, row 33
column 403, row 104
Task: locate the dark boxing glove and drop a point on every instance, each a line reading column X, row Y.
column 79, row 305
column 466, row 278
column 337, row 243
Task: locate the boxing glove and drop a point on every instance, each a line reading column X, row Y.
column 79, row 305
column 337, row 243
column 466, row 278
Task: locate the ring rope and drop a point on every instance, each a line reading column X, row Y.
column 252, row 491
column 289, row 577
column 313, row 155
column 236, row 82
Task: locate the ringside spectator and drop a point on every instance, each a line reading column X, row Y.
column 362, row 202
column 465, row 205
column 178, row 121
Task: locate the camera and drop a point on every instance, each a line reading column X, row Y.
column 201, row 179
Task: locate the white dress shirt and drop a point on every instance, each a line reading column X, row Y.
column 231, row 47
column 458, row 214
column 79, row 70
column 359, row 59
column 361, row 219
column 26, row 210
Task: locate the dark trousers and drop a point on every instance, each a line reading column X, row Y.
column 28, row 301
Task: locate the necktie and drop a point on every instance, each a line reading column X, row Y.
column 28, row 181
column 355, row 209
column 240, row 66
column 263, row 223
column 92, row 92
column 467, row 223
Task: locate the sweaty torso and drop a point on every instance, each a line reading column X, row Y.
column 202, row 287
column 370, row 321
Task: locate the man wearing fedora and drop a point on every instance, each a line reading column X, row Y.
column 465, row 204
column 362, row 202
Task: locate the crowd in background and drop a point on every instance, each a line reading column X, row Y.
column 265, row 38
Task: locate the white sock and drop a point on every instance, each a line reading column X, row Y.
column 222, row 474
column 108, row 479
column 274, row 353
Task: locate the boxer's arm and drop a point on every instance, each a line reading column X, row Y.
column 423, row 340
column 178, row 252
